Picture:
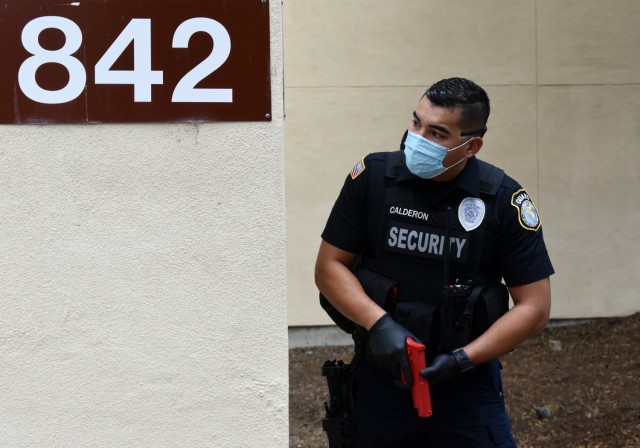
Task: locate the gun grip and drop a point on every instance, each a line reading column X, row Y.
column 420, row 388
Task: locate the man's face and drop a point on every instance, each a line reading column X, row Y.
column 441, row 126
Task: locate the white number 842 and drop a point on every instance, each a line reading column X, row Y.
column 142, row 77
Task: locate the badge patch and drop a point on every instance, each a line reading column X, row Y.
column 471, row 213
column 357, row 169
column 527, row 212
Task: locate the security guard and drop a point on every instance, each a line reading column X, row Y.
column 417, row 245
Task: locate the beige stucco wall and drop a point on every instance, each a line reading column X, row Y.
column 142, row 270
column 564, row 80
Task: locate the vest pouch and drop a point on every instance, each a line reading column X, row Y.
column 462, row 319
column 455, row 328
column 380, row 288
column 492, row 303
column 416, row 316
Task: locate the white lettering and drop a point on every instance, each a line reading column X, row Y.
column 409, row 213
column 433, row 244
column 410, row 244
column 416, row 241
column 460, row 242
column 393, row 234
column 423, row 239
column 521, row 198
column 402, row 238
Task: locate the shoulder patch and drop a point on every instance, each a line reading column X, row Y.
column 358, row 169
column 527, row 212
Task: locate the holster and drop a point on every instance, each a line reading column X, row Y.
column 337, row 421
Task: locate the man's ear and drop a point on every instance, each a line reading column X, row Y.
column 474, row 146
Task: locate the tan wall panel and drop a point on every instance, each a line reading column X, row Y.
column 588, row 41
column 407, row 42
column 589, row 171
column 510, row 141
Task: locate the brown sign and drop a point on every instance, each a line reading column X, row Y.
column 134, row 61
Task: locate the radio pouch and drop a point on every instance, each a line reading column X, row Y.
column 464, row 318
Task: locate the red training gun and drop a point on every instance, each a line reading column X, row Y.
column 420, row 388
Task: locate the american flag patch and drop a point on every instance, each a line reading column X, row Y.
column 358, row 169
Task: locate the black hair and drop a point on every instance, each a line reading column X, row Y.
column 461, row 93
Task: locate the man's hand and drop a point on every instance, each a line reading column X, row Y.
column 387, row 343
column 447, row 366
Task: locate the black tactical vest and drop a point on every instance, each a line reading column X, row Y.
column 417, row 244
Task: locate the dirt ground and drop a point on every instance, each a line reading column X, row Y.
column 570, row 386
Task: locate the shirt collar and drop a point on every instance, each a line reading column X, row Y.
column 468, row 180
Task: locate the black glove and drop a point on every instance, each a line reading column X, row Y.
column 388, row 346
column 447, row 366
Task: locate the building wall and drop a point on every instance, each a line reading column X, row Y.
column 564, row 81
column 143, row 283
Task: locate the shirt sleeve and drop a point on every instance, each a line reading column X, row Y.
column 523, row 254
column 346, row 227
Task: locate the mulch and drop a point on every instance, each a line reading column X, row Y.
column 570, row 386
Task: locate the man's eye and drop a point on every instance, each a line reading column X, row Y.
column 436, row 134
column 416, row 123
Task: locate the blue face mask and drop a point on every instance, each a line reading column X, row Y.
column 424, row 158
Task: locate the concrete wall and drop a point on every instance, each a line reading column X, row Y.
column 564, row 80
column 143, row 283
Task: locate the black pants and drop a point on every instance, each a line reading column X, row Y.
column 467, row 412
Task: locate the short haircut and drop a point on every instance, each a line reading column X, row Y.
column 461, row 93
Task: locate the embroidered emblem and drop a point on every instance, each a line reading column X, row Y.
column 527, row 212
column 471, row 213
column 357, row 169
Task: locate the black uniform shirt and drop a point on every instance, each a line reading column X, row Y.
column 516, row 249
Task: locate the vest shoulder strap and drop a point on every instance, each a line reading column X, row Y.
column 382, row 164
column 394, row 163
column 490, row 178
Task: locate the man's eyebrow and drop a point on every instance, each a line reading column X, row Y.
column 440, row 128
column 434, row 126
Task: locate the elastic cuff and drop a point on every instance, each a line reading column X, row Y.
column 379, row 322
column 462, row 359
